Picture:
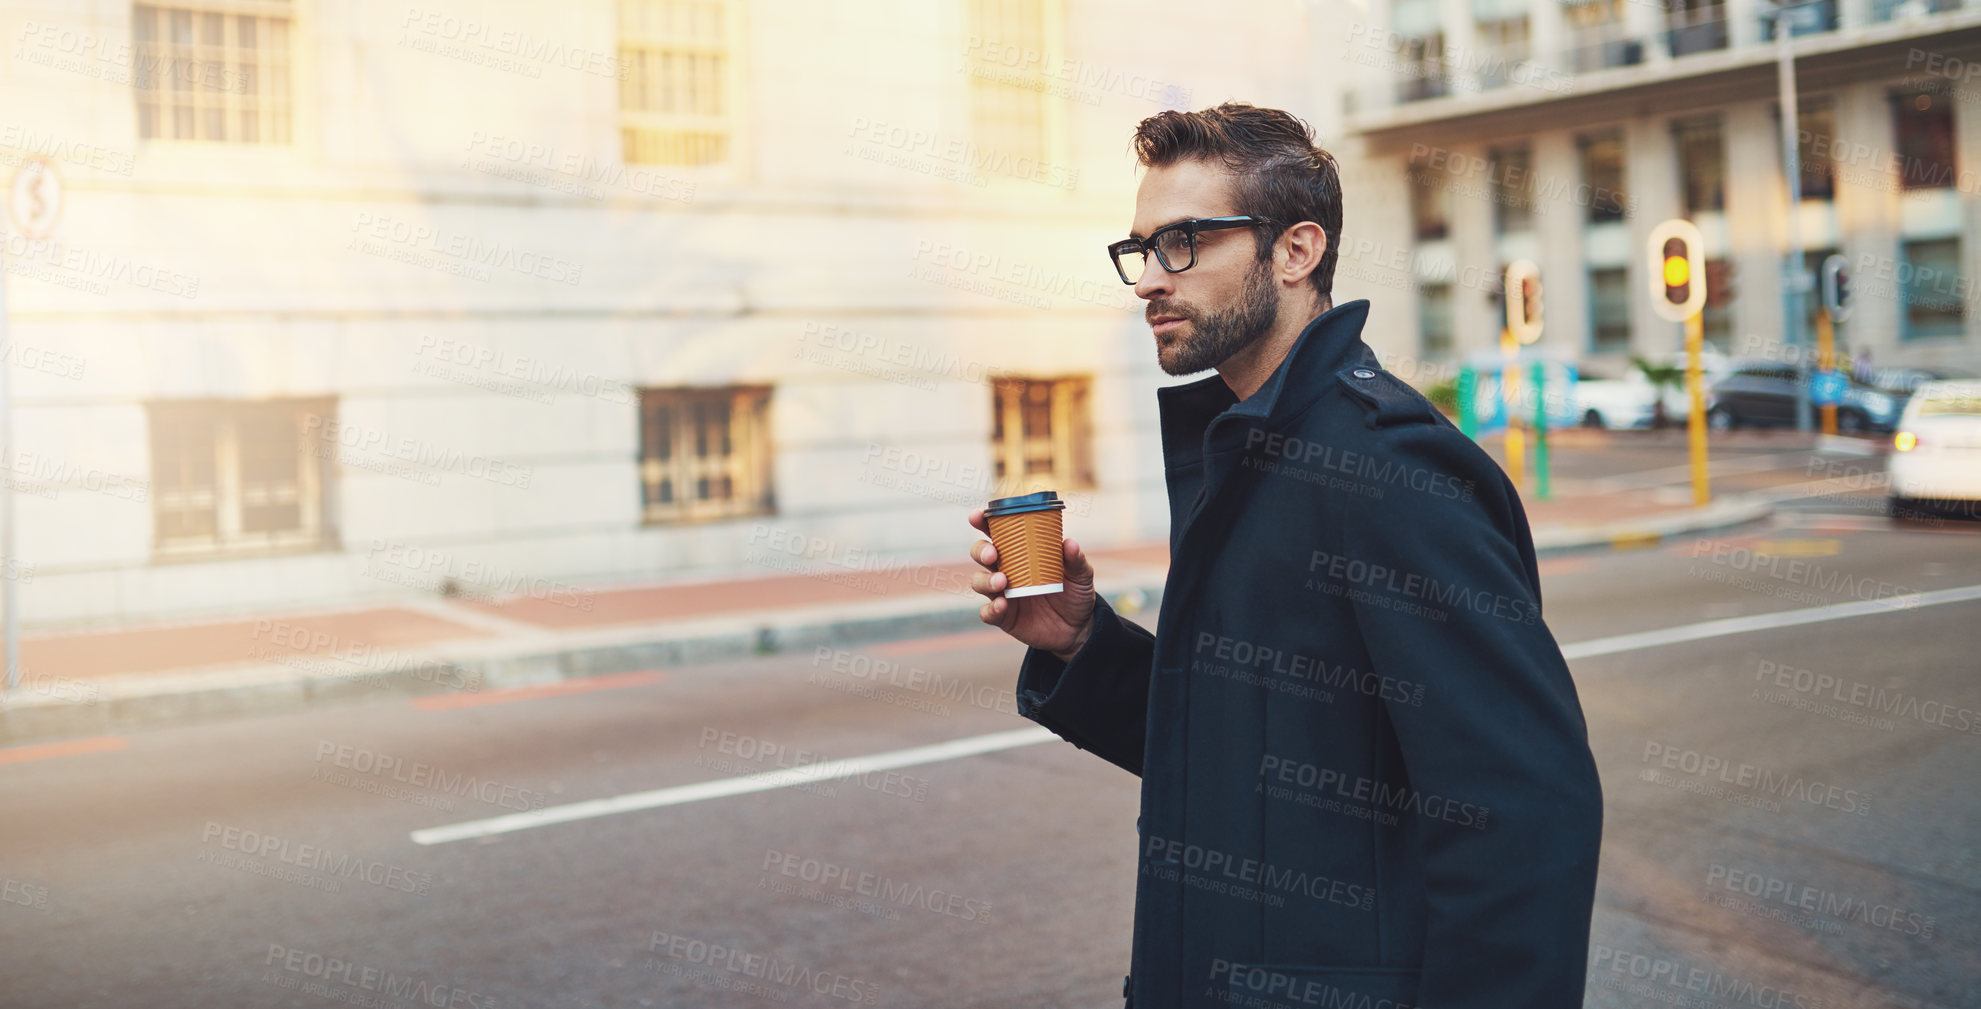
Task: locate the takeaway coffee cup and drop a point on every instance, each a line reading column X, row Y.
column 1027, row 532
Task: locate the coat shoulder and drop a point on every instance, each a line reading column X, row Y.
column 1387, row 401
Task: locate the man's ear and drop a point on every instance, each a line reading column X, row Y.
column 1305, row 243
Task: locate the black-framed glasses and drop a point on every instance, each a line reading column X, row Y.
column 1172, row 244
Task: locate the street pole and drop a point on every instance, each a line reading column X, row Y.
column 1792, row 270
column 1510, row 397
column 8, row 568
column 1695, row 415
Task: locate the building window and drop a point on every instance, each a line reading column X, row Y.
column 678, row 94
column 1430, row 203
column 1701, row 164
column 1512, row 181
column 215, row 70
column 1932, row 287
column 1434, row 319
column 1042, row 434
column 1816, row 146
column 1417, row 42
column 233, row 476
column 1504, row 41
column 705, row 453
column 1609, row 310
column 1598, row 37
column 1602, row 172
column 1012, row 117
column 1925, row 142
column 1696, row 26
column 1899, row 10
column 1803, row 19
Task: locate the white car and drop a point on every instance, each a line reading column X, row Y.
column 1936, row 450
column 1631, row 401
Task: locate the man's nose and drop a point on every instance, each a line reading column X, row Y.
column 1156, row 282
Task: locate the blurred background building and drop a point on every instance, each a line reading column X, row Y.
column 353, row 300
column 1562, row 131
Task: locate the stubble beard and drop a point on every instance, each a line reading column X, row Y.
column 1214, row 338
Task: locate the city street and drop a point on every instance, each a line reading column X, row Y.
column 1791, row 818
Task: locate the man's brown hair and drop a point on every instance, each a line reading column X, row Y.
column 1276, row 171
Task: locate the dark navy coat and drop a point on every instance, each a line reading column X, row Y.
column 1366, row 780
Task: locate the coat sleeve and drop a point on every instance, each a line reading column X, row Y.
column 1100, row 700
column 1500, row 725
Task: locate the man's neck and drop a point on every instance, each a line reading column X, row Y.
column 1246, row 371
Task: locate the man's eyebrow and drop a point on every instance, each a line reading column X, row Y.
column 1136, row 235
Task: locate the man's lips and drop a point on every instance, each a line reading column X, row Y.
column 1165, row 323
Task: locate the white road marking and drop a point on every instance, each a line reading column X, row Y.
column 1766, row 621
column 993, row 742
column 828, row 770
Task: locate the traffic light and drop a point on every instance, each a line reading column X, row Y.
column 1522, row 289
column 1678, row 269
column 1836, row 287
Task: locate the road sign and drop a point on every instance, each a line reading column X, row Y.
column 1826, row 388
column 34, row 203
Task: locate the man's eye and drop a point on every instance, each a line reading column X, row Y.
column 1174, row 241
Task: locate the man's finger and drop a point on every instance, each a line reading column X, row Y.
column 984, row 553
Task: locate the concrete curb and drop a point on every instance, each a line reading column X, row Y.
column 1626, row 534
column 147, row 700
column 120, row 704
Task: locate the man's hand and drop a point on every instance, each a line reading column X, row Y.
column 1058, row 622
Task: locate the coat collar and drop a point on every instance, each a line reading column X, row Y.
column 1332, row 341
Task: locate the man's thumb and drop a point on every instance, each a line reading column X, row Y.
column 1077, row 568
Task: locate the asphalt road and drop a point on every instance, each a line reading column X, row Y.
column 271, row 861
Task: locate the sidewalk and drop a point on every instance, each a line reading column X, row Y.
column 86, row 683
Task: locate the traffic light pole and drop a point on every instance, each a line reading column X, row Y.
column 1695, row 419
column 1793, row 271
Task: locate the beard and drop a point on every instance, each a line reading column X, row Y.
column 1215, row 337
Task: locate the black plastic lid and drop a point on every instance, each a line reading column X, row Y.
column 1042, row 501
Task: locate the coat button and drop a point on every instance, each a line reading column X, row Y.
column 1364, row 373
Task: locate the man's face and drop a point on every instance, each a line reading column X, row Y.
column 1223, row 304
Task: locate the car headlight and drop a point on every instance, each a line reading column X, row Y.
column 1905, row 441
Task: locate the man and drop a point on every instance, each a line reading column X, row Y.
column 1365, row 775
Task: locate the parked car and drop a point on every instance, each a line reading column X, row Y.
column 1936, row 452
column 1763, row 395
column 1631, row 401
